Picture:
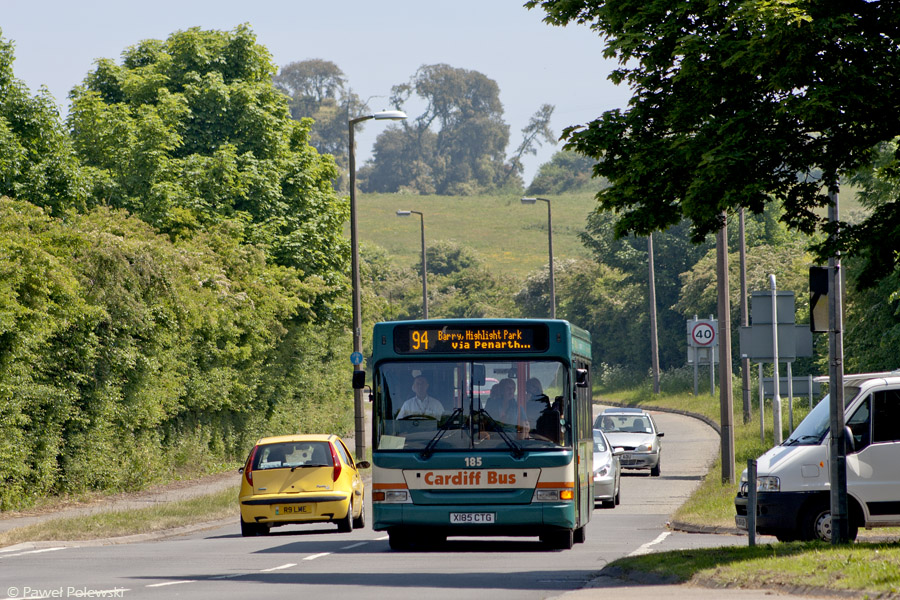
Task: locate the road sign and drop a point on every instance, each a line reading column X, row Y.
column 356, row 359
column 703, row 334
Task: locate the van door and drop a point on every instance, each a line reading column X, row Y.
column 873, row 469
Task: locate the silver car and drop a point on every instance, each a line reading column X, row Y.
column 633, row 430
column 607, row 472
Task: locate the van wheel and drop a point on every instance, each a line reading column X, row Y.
column 817, row 525
column 345, row 525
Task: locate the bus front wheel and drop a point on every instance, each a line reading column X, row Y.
column 559, row 540
column 399, row 539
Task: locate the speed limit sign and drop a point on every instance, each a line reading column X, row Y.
column 703, row 334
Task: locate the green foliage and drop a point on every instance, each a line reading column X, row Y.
column 674, row 254
column 459, row 285
column 36, row 158
column 190, row 133
column 319, row 90
column 126, row 360
column 565, row 172
column 738, row 104
column 455, row 147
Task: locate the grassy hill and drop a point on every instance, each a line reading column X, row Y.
column 510, row 236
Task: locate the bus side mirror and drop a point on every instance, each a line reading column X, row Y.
column 581, row 377
column 359, row 380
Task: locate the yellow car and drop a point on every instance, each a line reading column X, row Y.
column 301, row 479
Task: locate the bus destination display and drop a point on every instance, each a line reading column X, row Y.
column 482, row 338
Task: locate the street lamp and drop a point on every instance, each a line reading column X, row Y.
column 359, row 418
column 550, row 242
column 406, row 213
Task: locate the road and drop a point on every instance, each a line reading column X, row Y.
column 314, row 561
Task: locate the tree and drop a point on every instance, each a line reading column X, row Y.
column 319, row 90
column 674, row 254
column 538, row 129
column 191, row 132
column 738, row 104
column 566, row 171
column 456, row 146
column 37, row 162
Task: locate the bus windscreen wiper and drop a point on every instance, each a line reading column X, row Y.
column 517, row 451
column 429, row 449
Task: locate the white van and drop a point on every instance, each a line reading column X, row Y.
column 793, row 478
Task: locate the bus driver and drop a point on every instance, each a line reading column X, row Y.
column 421, row 404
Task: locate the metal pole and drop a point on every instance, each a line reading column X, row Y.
column 762, row 407
column 726, row 400
column 776, row 398
column 654, row 341
column 745, row 321
column 552, row 278
column 696, row 367
column 751, row 500
column 837, row 444
column 358, row 417
column 790, row 384
column 712, row 368
column 810, row 388
column 424, row 270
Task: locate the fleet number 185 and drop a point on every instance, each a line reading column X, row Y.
column 473, row 461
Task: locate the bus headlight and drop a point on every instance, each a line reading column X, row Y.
column 395, row 496
column 553, row 495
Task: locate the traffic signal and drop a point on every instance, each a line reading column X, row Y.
column 818, row 299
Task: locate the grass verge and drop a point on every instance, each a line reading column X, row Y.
column 862, row 569
column 105, row 524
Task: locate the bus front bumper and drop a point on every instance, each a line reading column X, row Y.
column 506, row 520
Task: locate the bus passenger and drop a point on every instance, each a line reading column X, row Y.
column 421, row 404
column 503, row 406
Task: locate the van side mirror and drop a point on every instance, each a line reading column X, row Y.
column 581, row 377
column 359, row 380
column 848, row 440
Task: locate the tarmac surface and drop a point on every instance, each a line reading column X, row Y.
column 608, row 585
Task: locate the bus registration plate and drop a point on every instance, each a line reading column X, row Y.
column 472, row 517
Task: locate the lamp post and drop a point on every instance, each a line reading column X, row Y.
column 406, row 213
column 550, row 242
column 359, row 418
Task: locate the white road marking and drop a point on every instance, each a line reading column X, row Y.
column 34, row 552
column 387, row 537
column 166, row 583
column 645, row 549
column 357, row 545
column 315, row 556
column 279, row 568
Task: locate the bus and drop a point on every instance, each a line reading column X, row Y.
column 481, row 427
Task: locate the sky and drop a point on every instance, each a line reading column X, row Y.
column 376, row 44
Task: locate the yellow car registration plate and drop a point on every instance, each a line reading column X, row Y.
column 293, row 509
